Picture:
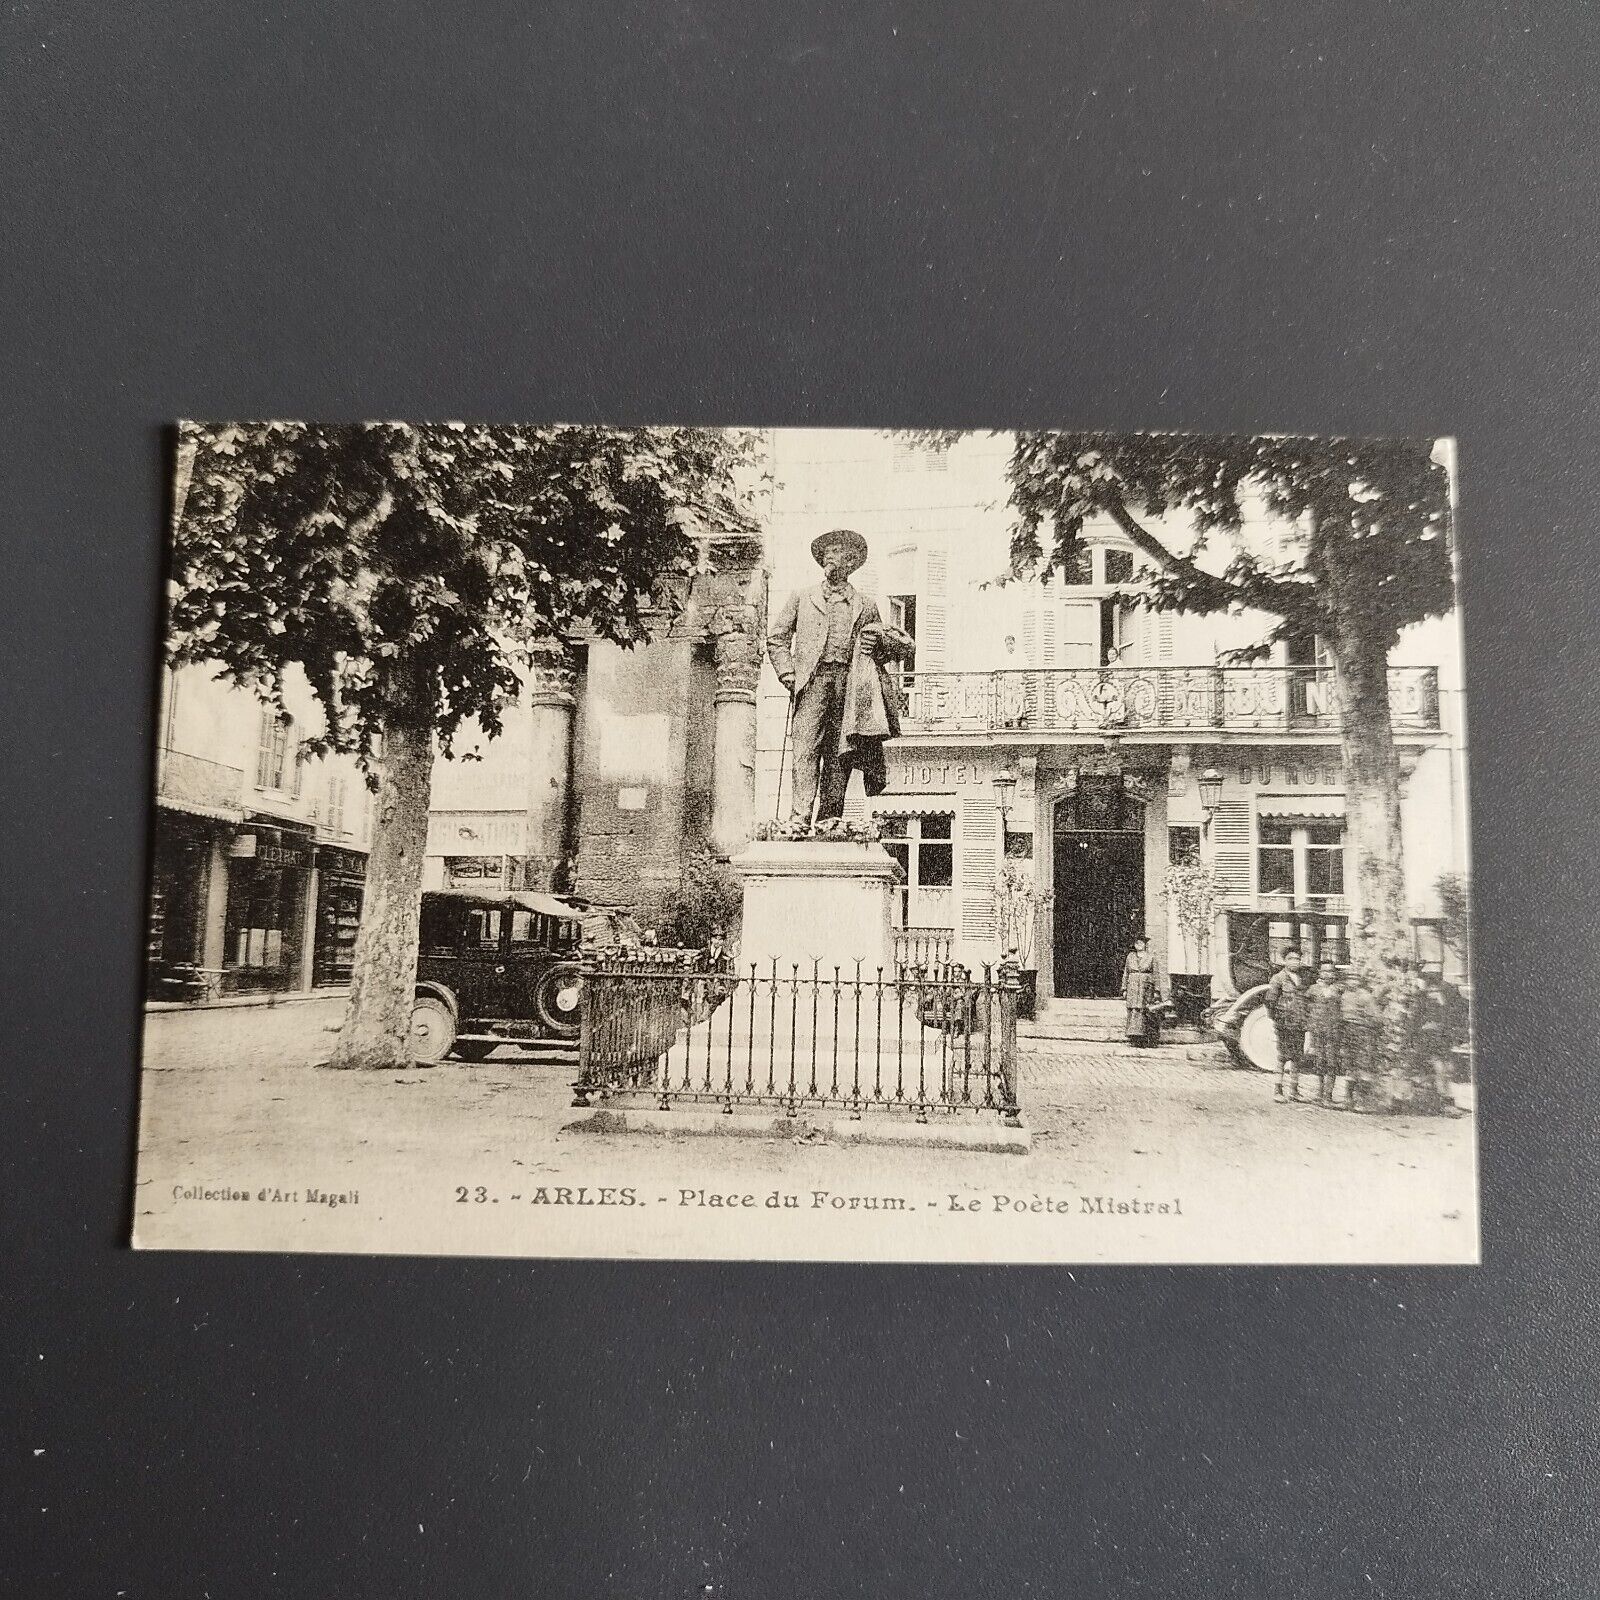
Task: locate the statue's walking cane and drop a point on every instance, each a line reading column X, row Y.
column 783, row 751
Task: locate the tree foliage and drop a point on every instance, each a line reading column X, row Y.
column 1019, row 904
column 1366, row 523
column 407, row 568
column 710, row 896
column 1197, row 895
column 1359, row 548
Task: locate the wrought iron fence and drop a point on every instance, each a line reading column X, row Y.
column 920, row 1043
column 1134, row 699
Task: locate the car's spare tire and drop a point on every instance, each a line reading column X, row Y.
column 558, row 1000
column 1258, row 1039
column 433, row 1029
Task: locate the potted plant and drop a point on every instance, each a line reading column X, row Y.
column 1018, row 905
column 1195, row 895
column 709, row 896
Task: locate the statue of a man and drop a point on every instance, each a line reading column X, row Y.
column 829, row 645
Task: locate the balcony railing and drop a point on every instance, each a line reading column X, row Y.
column 1104, row 700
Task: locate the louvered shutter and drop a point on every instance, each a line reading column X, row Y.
column 931, row 623
column 1045, row 686
column 979, row 849
column 1166, row 707
column 1030, row 661
column 1230, row 836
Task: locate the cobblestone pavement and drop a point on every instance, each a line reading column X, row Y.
column 232, row 1103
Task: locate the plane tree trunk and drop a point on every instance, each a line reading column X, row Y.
column 1376, row 884
column 377, row 1024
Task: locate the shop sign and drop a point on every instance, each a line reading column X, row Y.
column 283, row 855
column 345, row 863
column 268, row 851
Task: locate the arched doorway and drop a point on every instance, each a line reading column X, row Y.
column 1099, row 885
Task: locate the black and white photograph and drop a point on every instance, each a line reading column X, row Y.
column 803, row 843
column 803, row 804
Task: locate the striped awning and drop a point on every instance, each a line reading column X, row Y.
column 198, row 808
column 1299, row 805
column 912, row 805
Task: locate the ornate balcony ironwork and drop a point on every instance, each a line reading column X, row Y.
column 1115, row 700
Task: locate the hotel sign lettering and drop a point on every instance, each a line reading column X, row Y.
column 1271, row 775
column 938, row 776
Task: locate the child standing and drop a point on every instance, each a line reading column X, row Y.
column 1360, row 1034
column 1323, row 1019
column 1286, row 1006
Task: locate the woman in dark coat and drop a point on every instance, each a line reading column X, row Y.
column 1141, row 989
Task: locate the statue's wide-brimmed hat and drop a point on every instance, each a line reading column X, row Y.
column 849, row 538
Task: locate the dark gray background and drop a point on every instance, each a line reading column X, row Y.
column 1227, row 215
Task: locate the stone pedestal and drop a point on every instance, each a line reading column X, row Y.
column 817, row 900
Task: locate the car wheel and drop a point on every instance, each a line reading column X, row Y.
column 433, row 1030
column 1258, row 1040
column 473, row 1049
column 558, row 1001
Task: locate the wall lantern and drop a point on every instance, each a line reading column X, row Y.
column 1210, row 792
column 1005, row 786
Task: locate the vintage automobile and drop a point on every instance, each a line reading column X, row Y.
column 494, row 966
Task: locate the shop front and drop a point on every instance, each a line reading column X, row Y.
column 269, row 872
column 341, row 883
column 180, row 875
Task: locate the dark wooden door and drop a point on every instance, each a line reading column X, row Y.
column 1099, row 909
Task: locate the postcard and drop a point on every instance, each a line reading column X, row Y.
column 810, row 844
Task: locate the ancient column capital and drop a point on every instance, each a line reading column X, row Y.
column 552, row 674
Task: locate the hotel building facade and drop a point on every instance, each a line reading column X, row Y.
column 1061, row 736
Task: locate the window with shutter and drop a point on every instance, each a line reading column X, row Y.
column 270, row 751
column 980, row 844
column 1230, row 838
column 931, row 651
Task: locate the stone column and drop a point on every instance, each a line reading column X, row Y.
column 552, row 698
column 733, row 743
column 306, row 976
column 214, row 908
column 1150, row 786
